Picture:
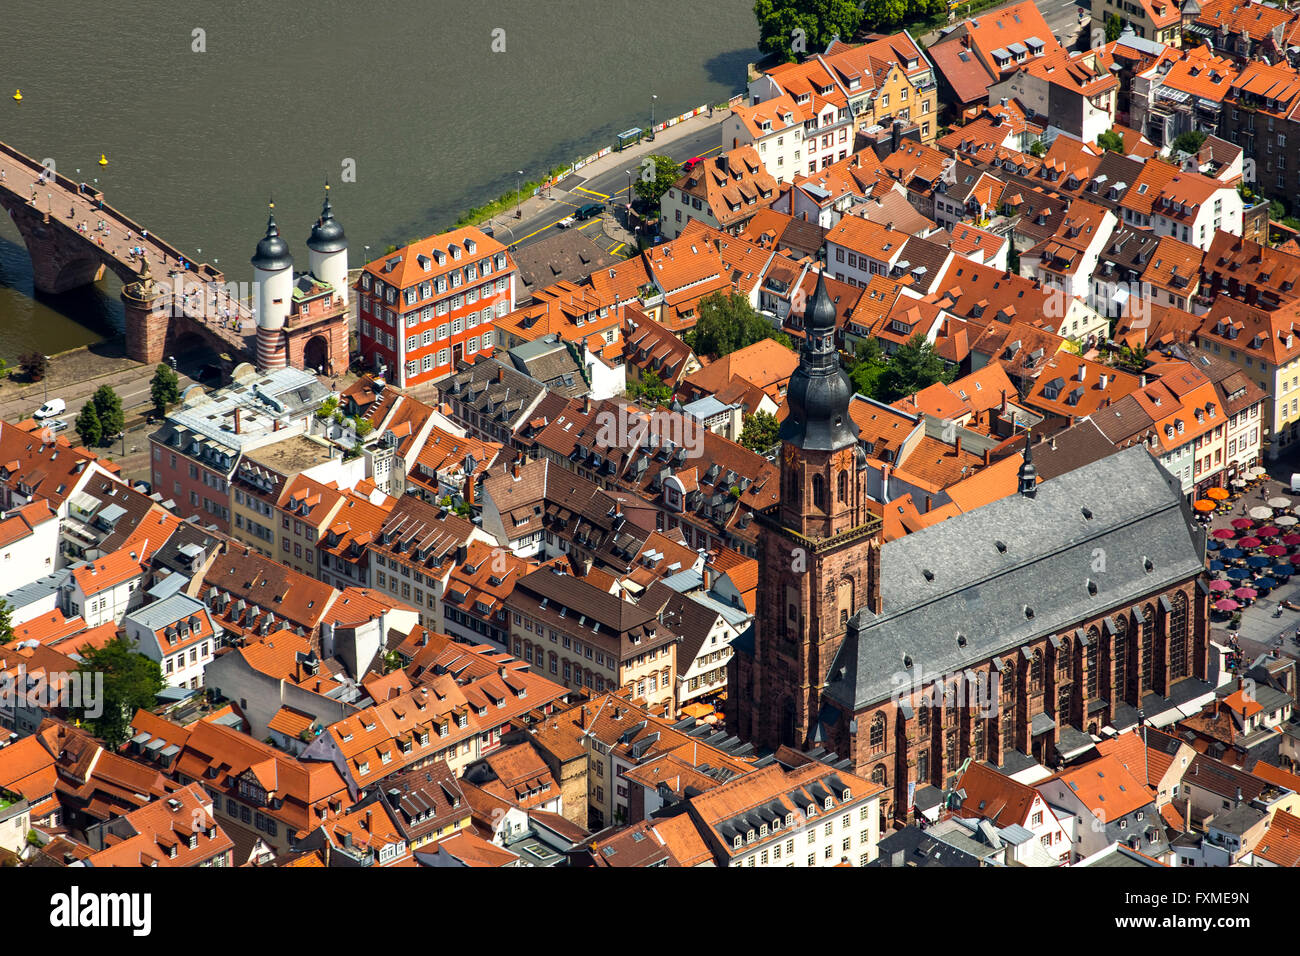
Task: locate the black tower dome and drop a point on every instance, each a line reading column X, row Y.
column 272, row 252
column 817, row 417
column 327, row 234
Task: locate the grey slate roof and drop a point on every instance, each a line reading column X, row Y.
column 1051, row 552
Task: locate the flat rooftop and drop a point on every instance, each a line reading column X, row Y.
column 291, row 455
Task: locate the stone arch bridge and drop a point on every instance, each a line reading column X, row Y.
column 58, row 220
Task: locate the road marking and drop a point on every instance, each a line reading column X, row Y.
column 615, row 251
column 590, row 192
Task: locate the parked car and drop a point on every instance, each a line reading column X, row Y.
column 589, row 210
column 57, row 425
column 692, row 163
column 566, row 222
column 55, row 406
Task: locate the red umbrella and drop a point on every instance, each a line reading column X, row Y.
column 1220, row 585
column 1251, row 542
column 1242, row 523
column 1291, row 539
column 1275, row 550
column 1295, row 559
column 1225, row 534
column 1269, row 532
column 1246, row 594
column 1226, row 604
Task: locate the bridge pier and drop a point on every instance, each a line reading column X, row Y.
column 148, row 318
column 61, row 259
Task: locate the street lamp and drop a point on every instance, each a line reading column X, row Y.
column 653, row 97
column 46, row 378
column 519, row 188
column 367, row 262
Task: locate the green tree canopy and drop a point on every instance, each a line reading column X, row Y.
column 655, row 176
column 793, row 28
column 866, row 367
column 1114, row 27
column 759, row 433
column 651, row 390
column 165, row 389
column 1112, row 141
column 728, row 322
column 912, row 367
column 34, row 365
column 1189, row 142
column 108, row 406
column 131, row 682
column 87, row 426
column 6, row 622
column 1038, row 148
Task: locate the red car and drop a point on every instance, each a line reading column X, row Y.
column 692, row 163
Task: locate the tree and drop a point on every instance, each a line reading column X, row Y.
column 651, row 390
column 866, row 367
column 759, row 433
column 165, row 389
column 728, row 322
column 1112, row 141
column 1114, row 27
column 912, row 367
column 6, row 622
column 108, row 406
column 1038, row 148
column 666, row 171
column 1189, row 142
column 88, row 427
column 788, row 28
column 131, row 683
column 34, row 365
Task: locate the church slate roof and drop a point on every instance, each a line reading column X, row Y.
column 1101, row 523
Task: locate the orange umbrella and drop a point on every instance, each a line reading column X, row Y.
column 1204, row 505
column 1217, row 494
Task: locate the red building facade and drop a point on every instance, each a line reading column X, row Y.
column 433, row 303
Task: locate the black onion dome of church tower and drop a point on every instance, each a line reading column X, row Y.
column 817, row 415
column 327, row 234
column 272, row 252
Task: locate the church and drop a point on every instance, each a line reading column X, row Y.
column 1020, row 629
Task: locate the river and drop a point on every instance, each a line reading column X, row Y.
column 414, row 111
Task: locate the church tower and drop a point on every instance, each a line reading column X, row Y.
column 819, row 549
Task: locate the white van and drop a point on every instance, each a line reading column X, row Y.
column 55, row 406
column 1295, row 482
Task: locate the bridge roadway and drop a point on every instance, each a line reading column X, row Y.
column 77, row 250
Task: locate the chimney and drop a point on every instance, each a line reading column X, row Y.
column 896, row 134
column 957, row 446
column 582, row 718
column 929, row 503
column 469, row 490
column 501, row 373
column 236, row 419
column 514, row 469
column 275, row 425
column 988, row 457
column 586, row 404
column 1004, row 401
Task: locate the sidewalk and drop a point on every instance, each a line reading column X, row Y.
column 71, row 375
column 544, row 200
column 623, row 160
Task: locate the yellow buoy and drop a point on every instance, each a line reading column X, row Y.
column 103, row 160
column 18, row 96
